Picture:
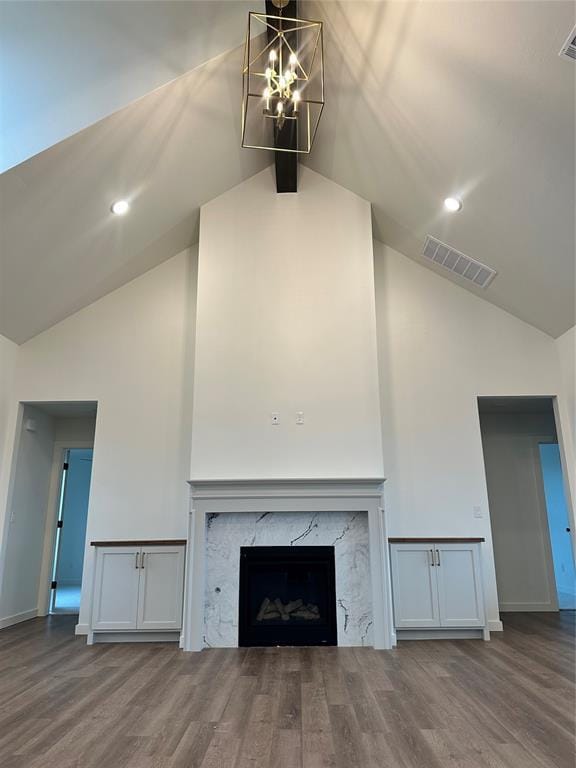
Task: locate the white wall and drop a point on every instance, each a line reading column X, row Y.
column 25, row 526
column 286, row 323
column 439, row 349
column 566, row 348
column 74, row 428
column 8, row 356
column 522, row 551
column 132, row 352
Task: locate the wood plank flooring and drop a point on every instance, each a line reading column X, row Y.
column 467, row 704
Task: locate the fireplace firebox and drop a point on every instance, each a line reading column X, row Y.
column 287, row 596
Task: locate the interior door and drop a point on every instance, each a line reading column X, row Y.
column 72, row 529
column 117, row 575
column 558, row 525
column 460, row 593
column 161, row 587
column 414, row 586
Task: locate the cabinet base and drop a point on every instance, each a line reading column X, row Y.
column 133, row 637
column 443, row 634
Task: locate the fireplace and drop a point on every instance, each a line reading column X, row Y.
column 287, row 596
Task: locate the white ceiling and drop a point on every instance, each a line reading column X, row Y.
column 431, row 99
column 65, row 65
column 424, row 99
column 167, row 153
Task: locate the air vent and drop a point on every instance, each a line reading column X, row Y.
column 568, row 50
column 457, row 262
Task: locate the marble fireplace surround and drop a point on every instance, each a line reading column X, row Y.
column 209, row 497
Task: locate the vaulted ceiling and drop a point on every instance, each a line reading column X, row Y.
column 423, row 100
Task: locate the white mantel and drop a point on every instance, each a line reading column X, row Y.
column 310, row 496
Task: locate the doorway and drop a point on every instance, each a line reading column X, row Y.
column 71, row 530
column 528, row 506
column 35, row 551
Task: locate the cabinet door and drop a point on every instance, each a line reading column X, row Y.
column 161, row 587
column 460, row 591
column 115, row 601
column 415, row 592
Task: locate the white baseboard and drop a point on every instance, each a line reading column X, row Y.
column 136, row 637
column 81, row 629
column 8, row 621
column 440, row 634
column 495, row 626
column 527, row 608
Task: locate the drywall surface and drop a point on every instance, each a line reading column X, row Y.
column 439, row 349
column 566, row 347
column 8, row 361
column 522, row 552
column 8, row 357
column 286, row 325
column 64, row 66
column 26, row 520
column 132, row 352
column 74, row 428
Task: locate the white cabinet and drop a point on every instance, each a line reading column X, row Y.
column 414, row 586
column 161, row 587
column 437, row 585
column 137, row 588
column 116, row 582
column 460, row 594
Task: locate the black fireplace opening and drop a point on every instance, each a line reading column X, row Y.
column 287, row 596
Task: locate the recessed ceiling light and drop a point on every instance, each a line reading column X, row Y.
column 120, row 207
column 452, row 204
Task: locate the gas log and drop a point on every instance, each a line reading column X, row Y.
column 297, row 609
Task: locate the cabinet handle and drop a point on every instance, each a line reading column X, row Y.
column 438, row 557
column 432, row 558
column 136, row 563
column 142, row 560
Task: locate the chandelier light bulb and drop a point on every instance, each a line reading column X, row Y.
column 293, row 60
column 281, row 81
column 279, row 107
column 272, row 56
column 268, row 73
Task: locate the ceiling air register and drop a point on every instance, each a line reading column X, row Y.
column 282, row 82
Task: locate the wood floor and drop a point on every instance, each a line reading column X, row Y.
column 504, row 704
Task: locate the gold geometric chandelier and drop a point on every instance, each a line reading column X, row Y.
column 282, row 82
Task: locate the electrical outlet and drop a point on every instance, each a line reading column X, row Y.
column 477, row 511
column 299, row 417
column 275, row 419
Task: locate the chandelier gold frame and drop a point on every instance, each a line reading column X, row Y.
column 282, row 81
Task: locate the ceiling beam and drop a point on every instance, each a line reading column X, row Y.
column 287, row 137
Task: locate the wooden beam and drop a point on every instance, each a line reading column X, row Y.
column 287, row 137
